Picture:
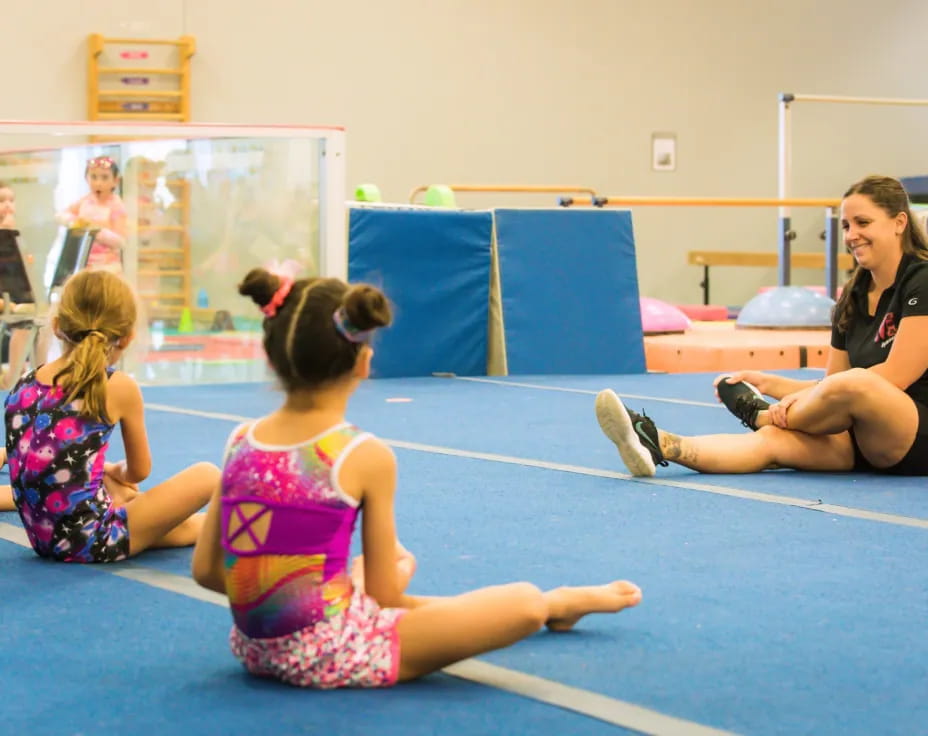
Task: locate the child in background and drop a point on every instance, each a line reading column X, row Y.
column 7, row 222
column 19, row 333
column 101, row 208
column 277, row 533
column 7, row 207
column 74, row 505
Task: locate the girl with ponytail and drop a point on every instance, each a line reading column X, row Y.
column 74, row 505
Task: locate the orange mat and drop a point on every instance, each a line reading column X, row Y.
column 720, row 346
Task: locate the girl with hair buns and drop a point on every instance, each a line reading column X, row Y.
column 278, row 531
column 74, row 505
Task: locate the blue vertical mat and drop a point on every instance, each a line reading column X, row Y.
column 435, row 268
column 569, row 291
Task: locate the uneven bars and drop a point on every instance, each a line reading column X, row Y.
column 860, row 100
column 784, row 164
column 830, row 205
column 697, row 202
column 506, row 188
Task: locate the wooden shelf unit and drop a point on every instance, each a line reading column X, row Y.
column 164, row 273
column 151, row 89
column 148, row 79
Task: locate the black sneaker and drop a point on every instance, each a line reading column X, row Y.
column 634, row 434
column 743, row 400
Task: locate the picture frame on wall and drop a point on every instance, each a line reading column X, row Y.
column 663, row 152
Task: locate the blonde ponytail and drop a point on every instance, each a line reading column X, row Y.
column 97, row 310
column 84, row 374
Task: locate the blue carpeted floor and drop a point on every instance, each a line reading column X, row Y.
column 758, row 618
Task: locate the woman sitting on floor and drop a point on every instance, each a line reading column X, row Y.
column 869, row 413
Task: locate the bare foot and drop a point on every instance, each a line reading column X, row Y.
column 569, row 605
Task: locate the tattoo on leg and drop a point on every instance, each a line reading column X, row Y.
column 678, row 449
column 670, row 445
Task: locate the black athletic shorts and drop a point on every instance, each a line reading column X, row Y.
column 915, row 461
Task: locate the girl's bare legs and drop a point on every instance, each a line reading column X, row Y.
column 768, row 447
column 165, row 516
column 884, row 418
column 446, row 630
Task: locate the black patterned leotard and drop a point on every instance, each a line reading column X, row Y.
column 56, row 461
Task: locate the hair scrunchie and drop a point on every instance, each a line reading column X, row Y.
column 270, row 309
column 348, row 330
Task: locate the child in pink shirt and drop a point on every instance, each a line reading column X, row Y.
column 102, row 208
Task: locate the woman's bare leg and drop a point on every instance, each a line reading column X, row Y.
column 165, row 516
column 447, row 630
column 768, row 447
column 642, row 445
column 884, row 418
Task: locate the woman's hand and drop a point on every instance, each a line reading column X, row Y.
column 777, row 412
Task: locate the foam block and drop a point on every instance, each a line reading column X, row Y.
column 569, row 289
column 434, row 266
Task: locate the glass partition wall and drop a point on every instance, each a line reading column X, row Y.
column 203, row 204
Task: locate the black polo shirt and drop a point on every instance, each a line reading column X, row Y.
column 869, row 339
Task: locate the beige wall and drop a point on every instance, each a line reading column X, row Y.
column 534, row 91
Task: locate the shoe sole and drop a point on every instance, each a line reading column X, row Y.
column 751, row 387
column 617, row 426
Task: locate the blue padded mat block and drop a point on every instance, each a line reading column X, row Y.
column 569, row 291
column 435, row 268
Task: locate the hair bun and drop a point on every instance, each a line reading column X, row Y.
column 367, row 307
column 260, row 285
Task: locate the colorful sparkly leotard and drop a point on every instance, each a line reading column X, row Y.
column 286, row 530
column 56, row 461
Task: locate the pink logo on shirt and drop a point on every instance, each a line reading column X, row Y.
column 887, row 329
